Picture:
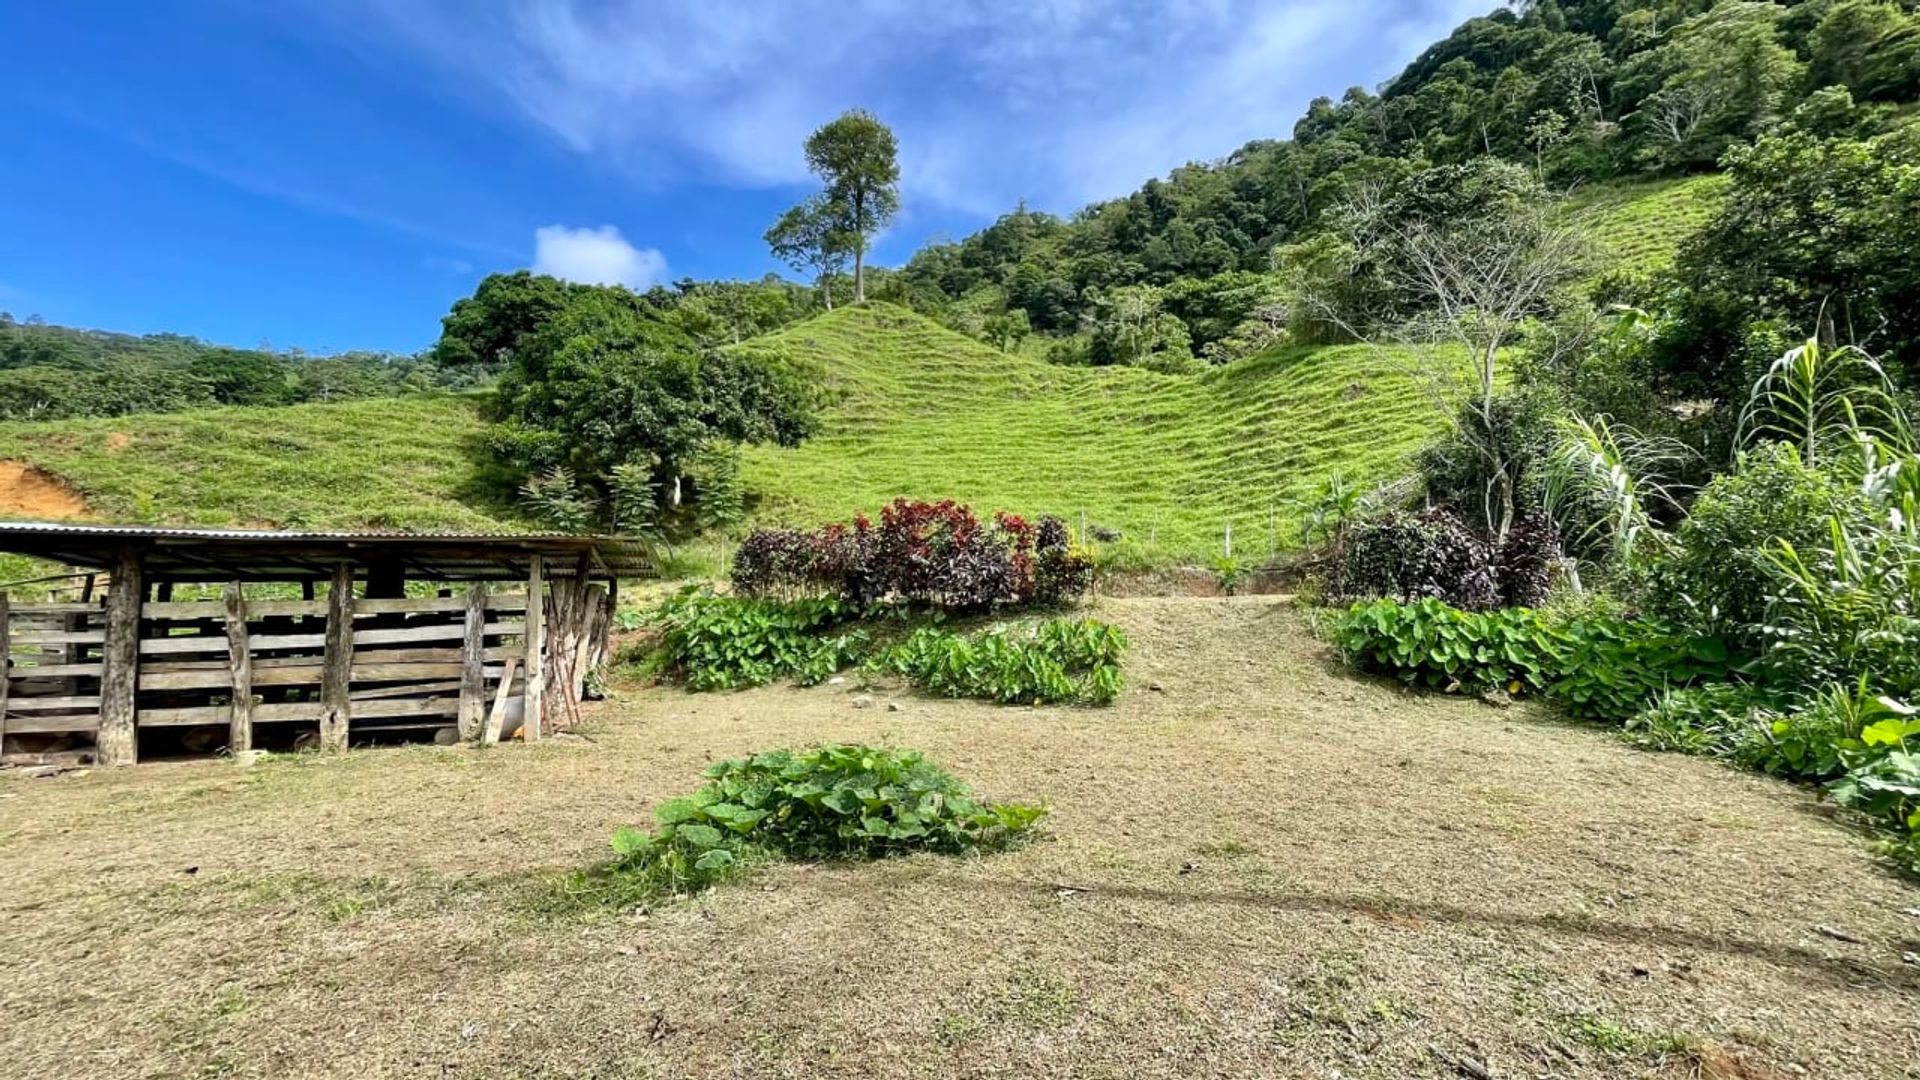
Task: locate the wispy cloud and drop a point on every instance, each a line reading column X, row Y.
column 596, row 257
column 1063, row 101
column 440, row 264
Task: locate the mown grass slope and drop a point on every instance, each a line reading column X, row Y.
column 917, row 410
column 412, row 463
column 1638, row 226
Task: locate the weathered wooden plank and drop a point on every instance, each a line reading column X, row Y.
column 536, row 649
column 27, row 636
column 215, row 609
column 473, row 682
column 30, row 610
column 430, row 689
column 336, row 679
column 442, row 655
column 204, row 643
column 117, row 740
column 391, row 605
column 240, row 661
column 506, row 602
column 220, row 678
column 53, row 702
column 301, row 712
column 56, row 671
column 54, row 725
column 490, row 732
column 448, row 631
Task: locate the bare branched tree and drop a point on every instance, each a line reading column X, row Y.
column 1470, row 286
column 1676, row 113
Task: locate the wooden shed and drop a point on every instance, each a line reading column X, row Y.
column 301, row 637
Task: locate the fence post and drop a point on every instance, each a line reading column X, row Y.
column 535, row 700
column 240, row 667
column 473, row 676
column 1229, row 539
column 117, row 743
column 336, row 671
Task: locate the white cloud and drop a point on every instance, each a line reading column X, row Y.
column 1061, row 101
column 596, row 257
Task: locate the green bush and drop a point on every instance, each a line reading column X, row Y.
column 718, row 642
column 1712, row 718
column 1598, row 667
column 830, row 802
column 1061, row 661
column 1720, row 574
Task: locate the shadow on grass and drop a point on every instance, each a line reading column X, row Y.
column 1807, row 961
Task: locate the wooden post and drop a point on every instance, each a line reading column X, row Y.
column 473, row 676
column 6, row 664
column 530, row 725
column 336, row 669
column 490, row 732
column 117, row 743
column 240, row 666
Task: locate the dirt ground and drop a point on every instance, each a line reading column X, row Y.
column 32, row 492
column 1261, row 868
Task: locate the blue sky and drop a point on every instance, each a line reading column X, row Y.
column 332, row 174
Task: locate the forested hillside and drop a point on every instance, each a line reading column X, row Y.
column 1574, row 91
column 52, row 372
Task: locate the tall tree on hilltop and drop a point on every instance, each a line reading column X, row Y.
column 809, row 237
column 858, row 158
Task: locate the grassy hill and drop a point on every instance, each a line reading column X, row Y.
column 1638, row 225
column 915, row 410
column 397, row 462
column 924, row 412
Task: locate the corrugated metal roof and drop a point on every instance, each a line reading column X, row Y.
column 85, row 529
column 276, row 554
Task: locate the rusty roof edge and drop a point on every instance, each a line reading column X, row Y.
column 294, row 535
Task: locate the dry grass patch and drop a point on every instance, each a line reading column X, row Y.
column 1266, row 869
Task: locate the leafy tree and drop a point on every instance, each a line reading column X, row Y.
column 1871, row 47
column 484, row 330
column 1129, row 327
column 1814, row 237
column 238, row 377
column 610, row 381
column 809, row 238
column 1007, row 330
column 857, row 157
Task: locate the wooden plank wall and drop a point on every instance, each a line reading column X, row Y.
column 338, row 666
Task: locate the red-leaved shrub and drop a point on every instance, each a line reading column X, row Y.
column 934, row 553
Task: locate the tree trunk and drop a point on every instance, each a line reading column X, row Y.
column 859, row 246
column 826, row 290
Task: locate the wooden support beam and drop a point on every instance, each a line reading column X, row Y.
column 337, row 668
column 490, row 732
column 6, row 663
column 536, row 649
column 117, row 742
column 473, row 677
column 240, row 665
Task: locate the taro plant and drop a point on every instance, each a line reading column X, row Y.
column 1597, row 667
column 1062, row 661
column 726, row 643
column 828, row 802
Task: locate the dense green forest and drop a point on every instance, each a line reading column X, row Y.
column 56, row 372
column 1573, row 93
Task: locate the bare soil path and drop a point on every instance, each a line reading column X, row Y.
column 1266, row 868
